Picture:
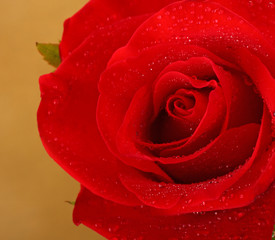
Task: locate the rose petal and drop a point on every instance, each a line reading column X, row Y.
column 133, row 72
column 66, row 116
column 230, row 150
column 260, row 13
column 137, row 116
column 84, row 22
column 203, row 24
column 261, row 77
column 98, row 14
column 115, row 221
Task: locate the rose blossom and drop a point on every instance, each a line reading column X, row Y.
column 164, row 111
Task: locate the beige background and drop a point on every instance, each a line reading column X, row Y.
column 33, row 187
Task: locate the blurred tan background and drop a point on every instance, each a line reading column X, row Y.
column 33, row 187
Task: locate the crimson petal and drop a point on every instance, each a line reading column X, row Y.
column 66, row 115
column 259, row 13
column 115, row 221
column 219, row 30
column 97, row 14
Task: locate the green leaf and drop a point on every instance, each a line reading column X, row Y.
column 50, row 52
column 273, row 235
column 70, row 202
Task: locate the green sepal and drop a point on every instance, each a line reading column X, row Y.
column 273, row 235
column 70, row 202
column 50, row 52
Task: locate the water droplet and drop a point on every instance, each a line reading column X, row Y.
column 159, row 17
column 86, row 53
column 271, row 5
column 240, row 214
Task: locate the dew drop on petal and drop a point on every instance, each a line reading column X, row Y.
column 159, row 17
column 271, row 5
column 207, row 9
column 240, row 214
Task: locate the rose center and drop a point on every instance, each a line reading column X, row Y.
column 181, row 114
column 181, row 104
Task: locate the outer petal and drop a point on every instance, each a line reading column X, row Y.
column 260, row 13
column 101, row 13
column 66, row 116
column 203, row 24
column 114, row 221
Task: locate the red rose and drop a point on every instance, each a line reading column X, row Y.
column 164, row 111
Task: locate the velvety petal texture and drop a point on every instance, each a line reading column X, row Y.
column 252, row 222
column 164, row 112
column 97, row 14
